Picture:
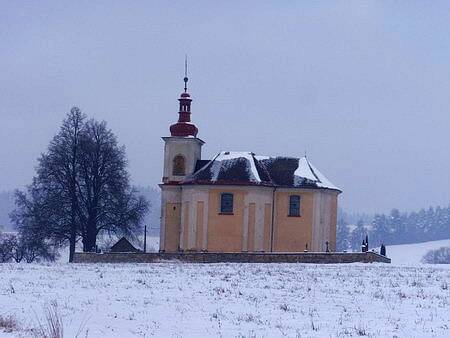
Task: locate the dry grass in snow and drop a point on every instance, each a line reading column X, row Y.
column 226, row 300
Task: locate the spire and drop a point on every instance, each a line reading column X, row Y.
column 184, row 127
column 185, row 73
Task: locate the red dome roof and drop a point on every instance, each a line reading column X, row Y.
column 183, row 129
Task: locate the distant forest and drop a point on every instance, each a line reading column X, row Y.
column 6, row 206
column 394, row 228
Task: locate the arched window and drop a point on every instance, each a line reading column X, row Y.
column 226, row 203
column 179, row 166
column 294, row 205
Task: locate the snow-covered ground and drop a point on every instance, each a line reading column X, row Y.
column 411, row 254
column 230, row 300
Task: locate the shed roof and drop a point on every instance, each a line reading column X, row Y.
column 123, row 245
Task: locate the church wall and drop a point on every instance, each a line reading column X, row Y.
column 195, row 200
column 248, row 228
column 197, row 225
column 173, row 220
column 324, row 220
column 225, row 230
column 317, row 232
column 185, row 228
column 251, row 227
column 267, row 226
column 333, row 223
column 170, row 218
column 292, row 233
column 257, row 218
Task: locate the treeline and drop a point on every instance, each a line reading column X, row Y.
column 6, row 206
column 395, row 228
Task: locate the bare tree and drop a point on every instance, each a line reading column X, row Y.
column 107, row 201
column 62, row 168
column 80, row 189
column 51, row 205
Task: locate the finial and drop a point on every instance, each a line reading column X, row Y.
column 185, row 73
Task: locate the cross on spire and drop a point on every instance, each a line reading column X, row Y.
column 185, row 73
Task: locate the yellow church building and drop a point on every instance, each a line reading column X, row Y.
column 239, row 201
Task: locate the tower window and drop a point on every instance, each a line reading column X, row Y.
column 179, row 166
column 294, row 205
column 226, row 203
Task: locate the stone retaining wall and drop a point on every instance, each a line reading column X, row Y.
column 211, row 257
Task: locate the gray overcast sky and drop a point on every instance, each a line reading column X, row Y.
column 362, row 86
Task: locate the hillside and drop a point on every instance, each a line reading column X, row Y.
column 411, row 254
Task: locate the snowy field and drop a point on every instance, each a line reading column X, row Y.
column 229, row 300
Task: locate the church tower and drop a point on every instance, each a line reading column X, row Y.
column 182, row 150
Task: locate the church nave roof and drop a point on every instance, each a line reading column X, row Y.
column 245, row 168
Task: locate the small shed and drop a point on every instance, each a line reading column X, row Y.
column 123, row 245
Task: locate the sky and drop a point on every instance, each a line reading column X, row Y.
column 362, row 87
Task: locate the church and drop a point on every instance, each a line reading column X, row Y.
column 240, row 201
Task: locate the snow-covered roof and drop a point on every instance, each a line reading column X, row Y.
column 230, row 167
column 306, row 170
column 245, row 168
column 322, row 181
column 229, row 159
